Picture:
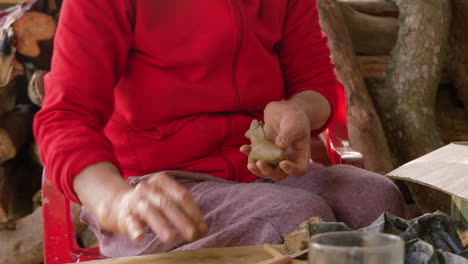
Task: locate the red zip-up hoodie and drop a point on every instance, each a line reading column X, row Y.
column 154, row 85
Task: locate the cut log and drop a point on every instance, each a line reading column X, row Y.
column 34, row 153
column 15, row 132
column 52, row 7
column 20, row 180
column 21, row 84
column 37, row 200
column 34, row 34
column 373, row 7
column 405, row 96
column 8, row 97
column 23, row 245
column 36, row 87
column 365, row 130
column 31, row 28
column 18, row 68
column 457, row 64
column 7, row 63
column 6, row 186
column 371, row 35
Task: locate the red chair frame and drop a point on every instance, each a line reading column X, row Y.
column 60, row 245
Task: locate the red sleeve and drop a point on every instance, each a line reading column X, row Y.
column 90, row 52
column 305, row 56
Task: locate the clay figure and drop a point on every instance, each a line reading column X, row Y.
column 262, row 148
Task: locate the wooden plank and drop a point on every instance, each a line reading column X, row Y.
column 4, row 4
column 12, row 2
column 234, row 255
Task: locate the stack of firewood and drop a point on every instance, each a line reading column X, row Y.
column 25, row 59
column 25, row 55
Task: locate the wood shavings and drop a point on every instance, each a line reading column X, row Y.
column 298, row 239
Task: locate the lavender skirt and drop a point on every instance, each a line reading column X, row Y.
column 241, row 214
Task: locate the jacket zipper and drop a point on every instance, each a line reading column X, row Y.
column 240, row 40
column 231, row 168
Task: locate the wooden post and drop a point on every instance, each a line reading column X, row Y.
column 375, row 7
column 365, row 130
column 371, row 35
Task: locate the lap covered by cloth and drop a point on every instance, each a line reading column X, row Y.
column 243, row 214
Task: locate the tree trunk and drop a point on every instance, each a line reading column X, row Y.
column 405, row 97
column 371, row 35
column 457, row 64
column 375, row 66
column 365, row 130
column 374, row 7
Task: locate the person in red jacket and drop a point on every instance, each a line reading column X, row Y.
column 145, row 112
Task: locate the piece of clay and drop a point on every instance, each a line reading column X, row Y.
column 262, row 148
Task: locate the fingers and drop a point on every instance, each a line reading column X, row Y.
column 291, row 128
column 176, row 216
column 299, row 157
column 135, row 227
column 269, row 172
column 153, row 217
column 262, row 169
column 246, row 149
column 183, row 199
column 163, row 204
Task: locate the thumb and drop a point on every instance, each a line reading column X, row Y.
column 286, row 133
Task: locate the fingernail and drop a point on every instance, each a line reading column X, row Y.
column 259, row 164
column 284, row 167
column 192, row 233
column 136, row 236
column 282, row 142
column 166, row 235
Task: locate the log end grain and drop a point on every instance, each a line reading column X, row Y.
column 36, row 87
column 7, row 147
column 31, row 28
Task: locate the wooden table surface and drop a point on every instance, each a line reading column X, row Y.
column 235, row 255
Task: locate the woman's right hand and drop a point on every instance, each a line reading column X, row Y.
column 158, row 202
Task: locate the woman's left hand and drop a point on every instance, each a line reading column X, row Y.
column 288, row 126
